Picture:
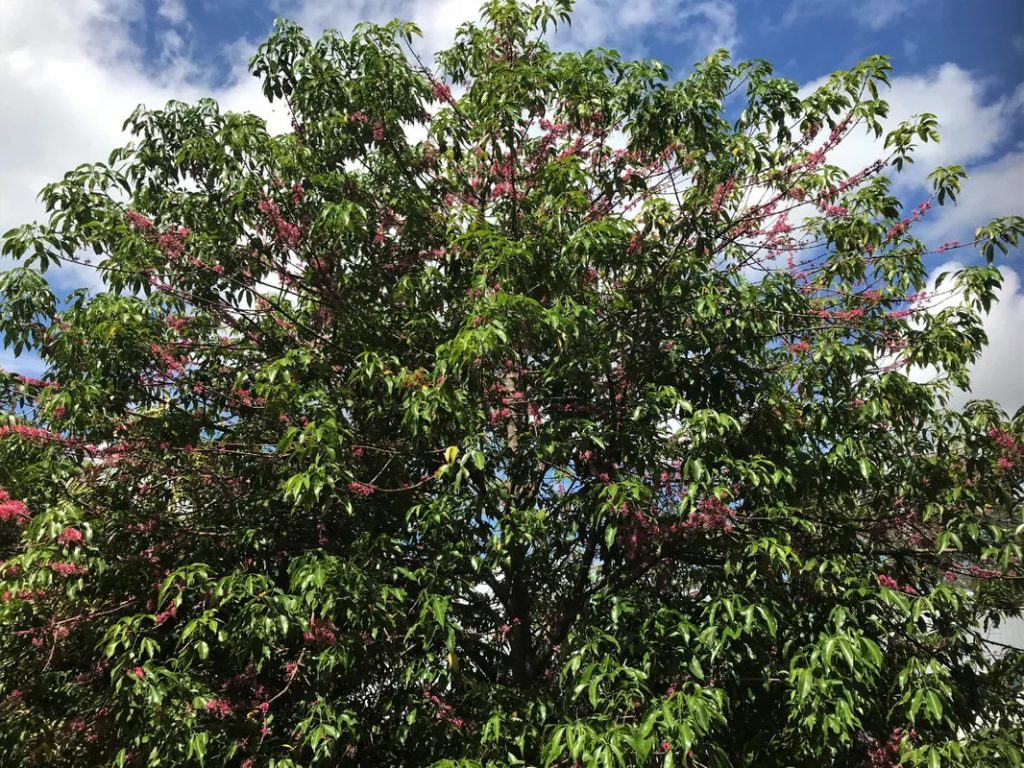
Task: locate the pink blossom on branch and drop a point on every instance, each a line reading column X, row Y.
column 12, row 510
column 69, row 536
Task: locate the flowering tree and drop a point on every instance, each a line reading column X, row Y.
column 578, row 432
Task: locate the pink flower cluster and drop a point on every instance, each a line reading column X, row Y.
column 833, row 210
column 444, row 712
column 320, row 633
column 284, row 232
column 67, row 569
column 885, row 754
column 711, row 515
column 362, row 490
column 12, row 509
column 900, row 227
column 986, row 573
column 556, row 129
column 890, row 583
column 219, row 708
column 498, row 414
column 441, row 92
column 138, row 222
column 32, row 434
column 69, row 536
column 36, row 382
column 244, row 396
column 167, row 613
column 1012, row 453
column 720, row 194
column 172, row 243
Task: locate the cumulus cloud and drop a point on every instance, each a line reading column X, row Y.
column 66, row 96
column 699, row 25
column 998, row 374
column 972, row 123
column 991, row 190
column 438, row 19
column 974, row 126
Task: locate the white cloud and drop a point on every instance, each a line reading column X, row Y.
column 438, row 19
column 876, row 14
column 173, row 10
column 702, row 25
column 972, row 125
column 72, row 74
column 991, row 190
column 873, row 14
column 998, row 374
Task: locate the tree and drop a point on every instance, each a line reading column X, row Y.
column 579, row 432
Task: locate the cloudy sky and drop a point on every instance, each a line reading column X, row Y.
column 72, row 70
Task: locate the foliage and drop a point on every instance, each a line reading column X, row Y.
column 579, row 431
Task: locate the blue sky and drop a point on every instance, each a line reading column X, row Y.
column 73, row 70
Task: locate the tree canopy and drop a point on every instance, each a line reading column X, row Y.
column 532, row 408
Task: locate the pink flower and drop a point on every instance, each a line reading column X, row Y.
column 138, row 222
column 378, row 131
column 359, row 117
column 1002, row 439
column 721, row 192
column 33, row 434
column 67, row 569
column 69, row 536
column 441, row 92
column 320, row 633
column 139, row 672
column 711, row 515
column 12, row 509
column 361, row 489
column 887, row 581
column 219, row 708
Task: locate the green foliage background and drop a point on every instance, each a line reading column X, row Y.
column 505, row 447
